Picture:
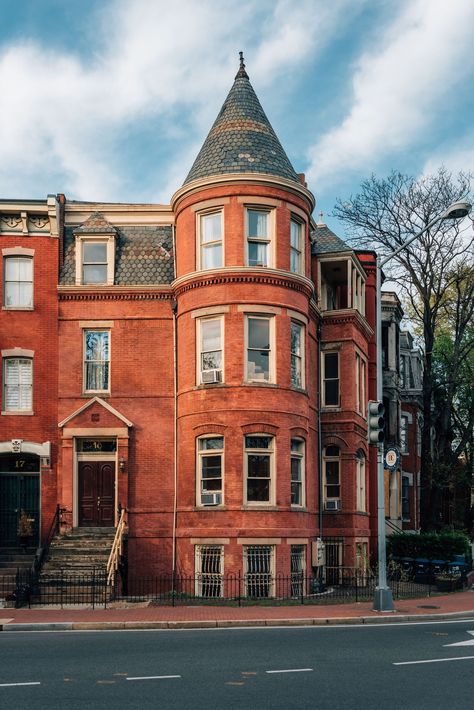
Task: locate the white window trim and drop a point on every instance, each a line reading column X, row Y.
column 301, row 230
column 199, row 245
column 302, row 459
column 327, row 459
column 18, row 253
column 109, row 240
column 323, row 379
column 199, row 456
column 272, row 486
column 303, row 353
column 270, row 240
column 361, row 483
column 361, row 387
column 84, row 373
column 16, row 354
column 271, row 359
column 199, row 322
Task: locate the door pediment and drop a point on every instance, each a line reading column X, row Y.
column 95, row 413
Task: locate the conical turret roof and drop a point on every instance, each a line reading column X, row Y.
column 242, row 139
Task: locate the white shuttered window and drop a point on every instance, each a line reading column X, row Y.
column 18, row 384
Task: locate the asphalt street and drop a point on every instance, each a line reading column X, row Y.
column 386, row 666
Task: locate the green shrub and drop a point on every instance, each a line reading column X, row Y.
column 434, row 546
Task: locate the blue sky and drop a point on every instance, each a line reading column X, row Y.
column 112, row 99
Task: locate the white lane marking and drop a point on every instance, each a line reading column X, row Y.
column 292, row 670
column 434, row 660
column 469, row 642
column 10, row 685
column 154, row 677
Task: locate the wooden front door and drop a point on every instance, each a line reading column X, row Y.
column 96, row 493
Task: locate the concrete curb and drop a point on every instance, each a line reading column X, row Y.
column 231, row 623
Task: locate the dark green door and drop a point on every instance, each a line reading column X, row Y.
column 18, row 492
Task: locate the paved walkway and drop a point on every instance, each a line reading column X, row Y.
column 460, row 604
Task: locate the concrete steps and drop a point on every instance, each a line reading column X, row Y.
column 81, row 551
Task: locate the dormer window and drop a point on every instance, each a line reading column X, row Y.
column 95, row 252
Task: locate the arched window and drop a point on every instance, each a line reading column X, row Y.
column 332, row 478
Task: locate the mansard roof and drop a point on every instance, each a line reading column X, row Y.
column 242, row 139
column 95, row 224
column 143, row 254
column 324, row 241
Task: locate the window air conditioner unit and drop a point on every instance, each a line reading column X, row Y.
column 211, row 498
column 332, row 505
column 210, row 377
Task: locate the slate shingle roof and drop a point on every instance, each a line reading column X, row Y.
column 95, row 224
column 324, row 241
column 242, row 139
column 143, row 255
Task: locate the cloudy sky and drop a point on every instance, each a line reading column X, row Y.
column 112, row 99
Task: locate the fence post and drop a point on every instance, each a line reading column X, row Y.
column 62, row 587
column 302, row 587
column 240, row 600
column 93, row 587
column 357, row 587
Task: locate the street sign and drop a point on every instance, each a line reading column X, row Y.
column 392, row 457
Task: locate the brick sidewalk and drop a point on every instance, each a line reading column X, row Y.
column 189, row 616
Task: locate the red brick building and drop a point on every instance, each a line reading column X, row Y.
column 205, row 365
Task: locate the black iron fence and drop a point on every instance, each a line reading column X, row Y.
column 335, row 586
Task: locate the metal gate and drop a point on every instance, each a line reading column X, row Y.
column 19, row 492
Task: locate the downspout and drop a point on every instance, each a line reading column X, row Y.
column 320, row 453
column 174, row 307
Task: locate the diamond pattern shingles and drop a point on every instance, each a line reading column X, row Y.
column 242, row 139
column 95, row 224
column 323, row 241
column 143, row 255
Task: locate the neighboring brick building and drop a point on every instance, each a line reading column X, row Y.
column 187, row 361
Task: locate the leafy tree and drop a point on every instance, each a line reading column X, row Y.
column 382, row 216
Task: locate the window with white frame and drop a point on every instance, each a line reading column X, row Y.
column 330, row 375
column 296, row 246
column 361, row 404
column 297, row 354
column 210, row 350
column 96, row 360
column 298, row 569
column 17, row 384
column 404, row 434
column 259, row 242
column 209, row 566
column 17, row 282
column 297, row 472
column 331, row 477
column 210, row 465
column 94, row 262
column 360, row 482
column 259, row 364
column 259, row 465
column 259, row 566
column 210, row 240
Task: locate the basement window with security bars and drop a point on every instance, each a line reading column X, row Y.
column 259, row 570
column 209, row 570
column 298, row 568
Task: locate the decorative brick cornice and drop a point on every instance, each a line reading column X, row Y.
column 68, row 293
column 348, row 316
column 269, row 277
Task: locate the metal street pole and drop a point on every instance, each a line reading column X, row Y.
column 383, row 599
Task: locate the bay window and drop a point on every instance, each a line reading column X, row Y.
column 210, row 350
column 258, row 229
column 210, row 454
column 210, row 240
column 259, row 365
column 259, row 464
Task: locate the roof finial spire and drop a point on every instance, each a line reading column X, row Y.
column 321, row 215
column 241, row 72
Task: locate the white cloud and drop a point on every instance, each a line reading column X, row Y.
column 419, row 63
column 64, row 115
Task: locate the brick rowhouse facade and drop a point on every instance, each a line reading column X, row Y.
column 186, row 361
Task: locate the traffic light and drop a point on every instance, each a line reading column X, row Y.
column 376, row 422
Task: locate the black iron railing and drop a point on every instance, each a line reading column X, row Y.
column 43, row 549
column 28, row 588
